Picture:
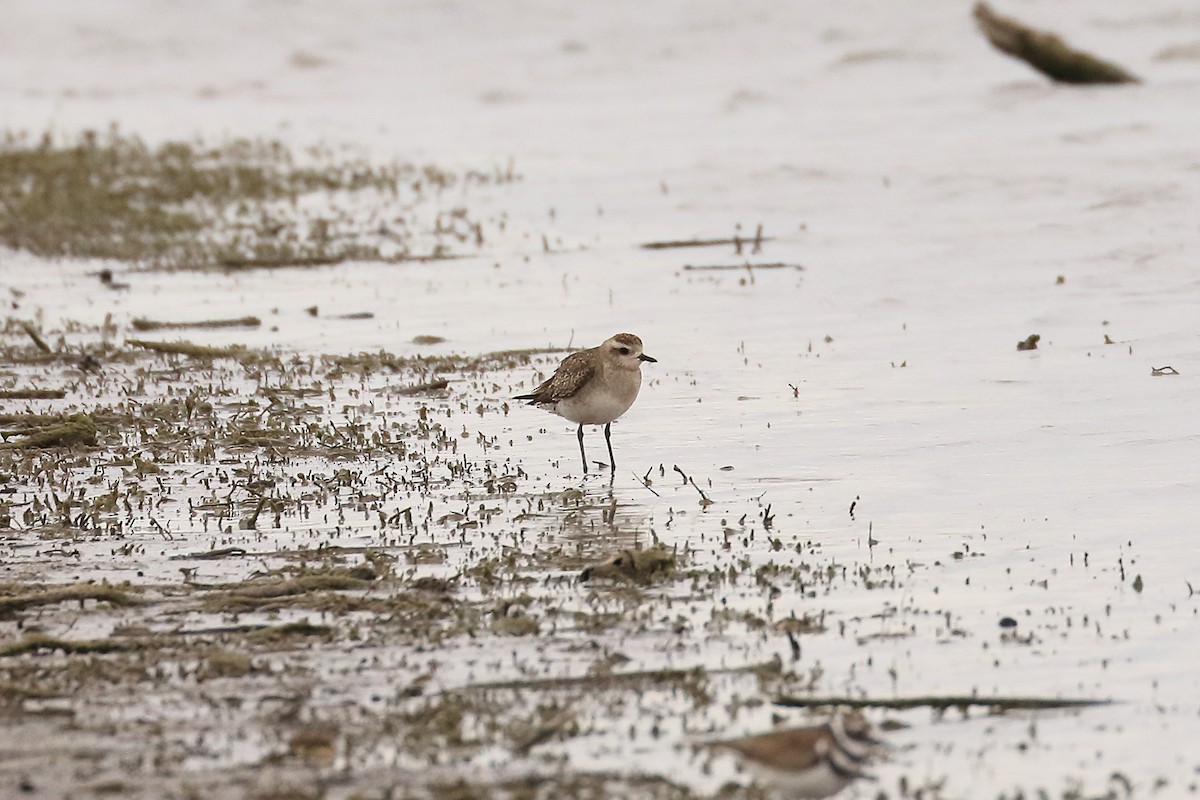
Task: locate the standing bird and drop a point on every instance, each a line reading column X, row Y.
column 810, row 762
column 594, row 387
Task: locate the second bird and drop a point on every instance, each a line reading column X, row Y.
column 594, row 387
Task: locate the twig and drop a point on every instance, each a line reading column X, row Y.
column 704, row 501
column 645, row 483
column 210, row 555
column 747, row 266
column 431, row 386
column 41, row 344
column 683, row 243
column 938, row 701
column 238, row 262
column 611, row 678
column 166, row 534
column 187, row 349
column 143, row 324
column 543, row 732
column 250, row 522
column 32, row 394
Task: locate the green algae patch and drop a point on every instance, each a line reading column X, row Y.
column 76, row 429
column 10, row 602
column 14, row 693
column 226, row 664
column 239, row 204
column 36, row 643
column 187, row 349
column 32, row 394
column 271, row 592
column 280, row 633
column 633, row 566
column 300, row 529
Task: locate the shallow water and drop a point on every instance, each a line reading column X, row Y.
column 933, row 193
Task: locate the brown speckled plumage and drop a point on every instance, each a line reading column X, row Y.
column 795, row 749
column 567, row 380
column 809, row 762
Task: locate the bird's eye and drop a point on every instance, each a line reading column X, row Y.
column 624, row 351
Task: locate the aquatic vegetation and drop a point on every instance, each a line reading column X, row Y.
column 236, row 204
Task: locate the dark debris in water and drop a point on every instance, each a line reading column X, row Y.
column 1046, row 52
column 632, row 565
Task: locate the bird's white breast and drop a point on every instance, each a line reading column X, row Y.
column 607, row 396
column 819, row 781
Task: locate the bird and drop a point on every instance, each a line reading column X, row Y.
column 594, row 387
column 810, row 762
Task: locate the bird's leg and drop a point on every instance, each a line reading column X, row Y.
column 581, row 453
column 608, row 438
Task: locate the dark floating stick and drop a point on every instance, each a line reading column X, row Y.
column 682, row 243
column 143, row 324
column 611, row 679
column 187, row 349
column 37, row 340
column 939, row 701
column 705, row 502
column 428, row 386
column 645, row 481
column 32, row 394
column 246, row 262
column 719, row 267
column 544, row 732
column 211, row 555
column 1045, row 52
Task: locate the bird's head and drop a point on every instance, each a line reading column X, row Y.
column 625, row 350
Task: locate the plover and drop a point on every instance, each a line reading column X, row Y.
column 810, row 762
column 594, row 387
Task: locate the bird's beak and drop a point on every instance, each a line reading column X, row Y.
column 644, row 357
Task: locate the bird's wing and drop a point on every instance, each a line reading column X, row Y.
column 575, row 370
column 796, row 749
